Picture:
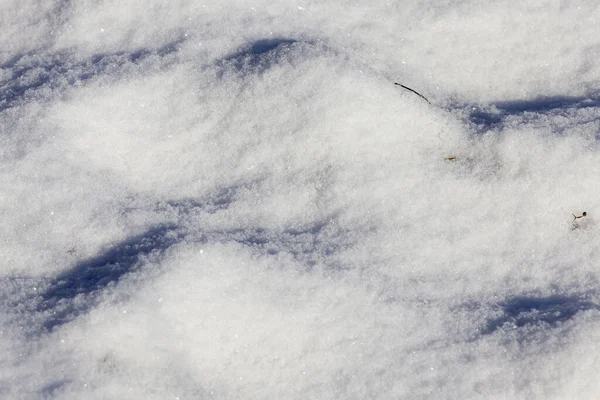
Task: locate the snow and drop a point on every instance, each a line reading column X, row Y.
column 233, row 200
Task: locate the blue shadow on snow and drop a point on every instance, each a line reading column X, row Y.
column 486, row 118
column 528, row 310
column 92, row 275
column 33, row 74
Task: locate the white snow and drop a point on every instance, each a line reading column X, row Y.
column 233, row 200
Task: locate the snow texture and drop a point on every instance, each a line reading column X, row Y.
column 232, row 200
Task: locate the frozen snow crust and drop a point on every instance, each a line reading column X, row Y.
column 233, row 200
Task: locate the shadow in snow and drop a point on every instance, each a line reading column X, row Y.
column 546, row 103
column 38, row 77
column 92, row 275
column 259, row 56
column 54, row 388
column 221, row 200
column 311, row 244
column 308, row 245
column 534, row 311
column 486, row 118
column 264, row 45
column 257, row 48
column 75, row 291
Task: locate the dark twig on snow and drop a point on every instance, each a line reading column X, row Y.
column 414, row 91
column 575, row 217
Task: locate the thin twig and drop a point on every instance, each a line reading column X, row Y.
column 414, row 91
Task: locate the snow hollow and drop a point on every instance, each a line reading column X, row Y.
column 233, row 200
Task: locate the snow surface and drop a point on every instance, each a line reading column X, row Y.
column 232, row 200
